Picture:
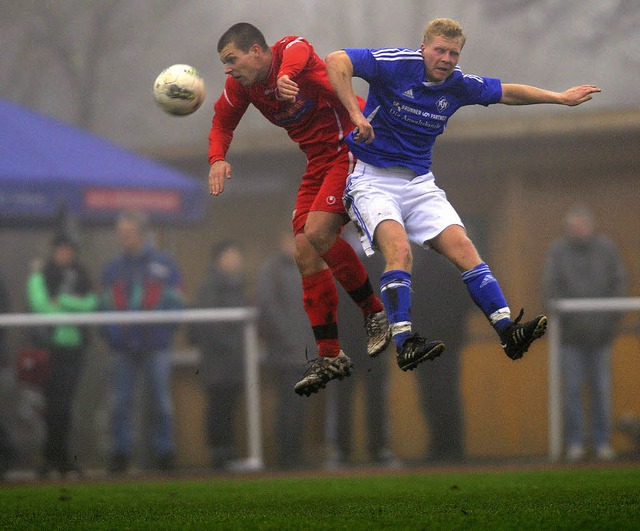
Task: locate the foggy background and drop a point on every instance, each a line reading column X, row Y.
column 93, row 64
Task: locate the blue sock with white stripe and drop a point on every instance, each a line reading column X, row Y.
column 486, row 293
column 395, row 291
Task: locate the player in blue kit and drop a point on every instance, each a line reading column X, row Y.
column 392, row 196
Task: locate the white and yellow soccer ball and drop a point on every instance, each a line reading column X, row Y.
column 179, row 90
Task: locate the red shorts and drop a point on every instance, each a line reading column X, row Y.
column 323, row 186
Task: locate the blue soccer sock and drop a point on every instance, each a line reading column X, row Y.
column 395, row 291
column 486, row 293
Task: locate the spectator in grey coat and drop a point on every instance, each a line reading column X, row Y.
column 286, row 333
column 584, row 264
column 221, row 347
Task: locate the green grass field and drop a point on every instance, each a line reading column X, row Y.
column 581, row 498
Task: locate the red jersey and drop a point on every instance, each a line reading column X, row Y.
column 316, row 121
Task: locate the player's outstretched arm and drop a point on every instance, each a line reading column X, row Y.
column 514, row 94
column 218, row 172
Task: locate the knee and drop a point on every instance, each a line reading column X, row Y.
column 319, row 237
column 306, row 257
column 464, row 254
column 398, row 255
column 322, row 229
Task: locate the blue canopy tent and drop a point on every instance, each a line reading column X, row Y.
column 47, row 166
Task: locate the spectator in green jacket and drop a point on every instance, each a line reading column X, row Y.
column 61, row 285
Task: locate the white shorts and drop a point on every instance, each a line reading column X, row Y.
column 375, row 194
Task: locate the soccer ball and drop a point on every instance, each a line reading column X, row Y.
column 179, row 90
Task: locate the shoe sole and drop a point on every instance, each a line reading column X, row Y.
column 429, row 355
column 382, row 347
column 541, row 328
column 311, row 388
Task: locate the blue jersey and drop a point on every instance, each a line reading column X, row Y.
column 413, row 111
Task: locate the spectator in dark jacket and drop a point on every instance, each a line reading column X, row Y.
column 371, row 374
column 7, row 449
column 441, row 306
column 221, row 347
column 584, row 264
column 286, row 333
column 141, row 278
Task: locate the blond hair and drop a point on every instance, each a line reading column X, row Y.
column 445, row 27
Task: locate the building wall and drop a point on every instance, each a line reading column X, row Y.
column 512, row 181
column 517, row 189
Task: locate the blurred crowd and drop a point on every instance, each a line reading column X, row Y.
column 138, row 411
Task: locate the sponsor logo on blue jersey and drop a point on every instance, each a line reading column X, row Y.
column 442, row 104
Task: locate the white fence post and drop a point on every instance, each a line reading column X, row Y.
column 252, row 392
column 554, row 389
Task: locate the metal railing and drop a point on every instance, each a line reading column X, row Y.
column 247, row 315
column 557, row 307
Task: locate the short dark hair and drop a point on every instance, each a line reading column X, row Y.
column 64, row 240
column 243, row 35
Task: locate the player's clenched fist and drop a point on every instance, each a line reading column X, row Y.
column 287, row 88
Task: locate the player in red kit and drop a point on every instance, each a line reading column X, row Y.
column 288, row 84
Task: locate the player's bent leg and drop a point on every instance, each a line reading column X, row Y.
column 393, row 242
column 347, row 268
column 515, row 337
column 307, row 258
column 321, row 371
column 322, row 229
column 320, row 297
column 454, row 244
column 395, row 283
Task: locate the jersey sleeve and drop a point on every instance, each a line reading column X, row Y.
column 364, row 64
column 228, row 110
column 295, row 57
column 482, row 90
